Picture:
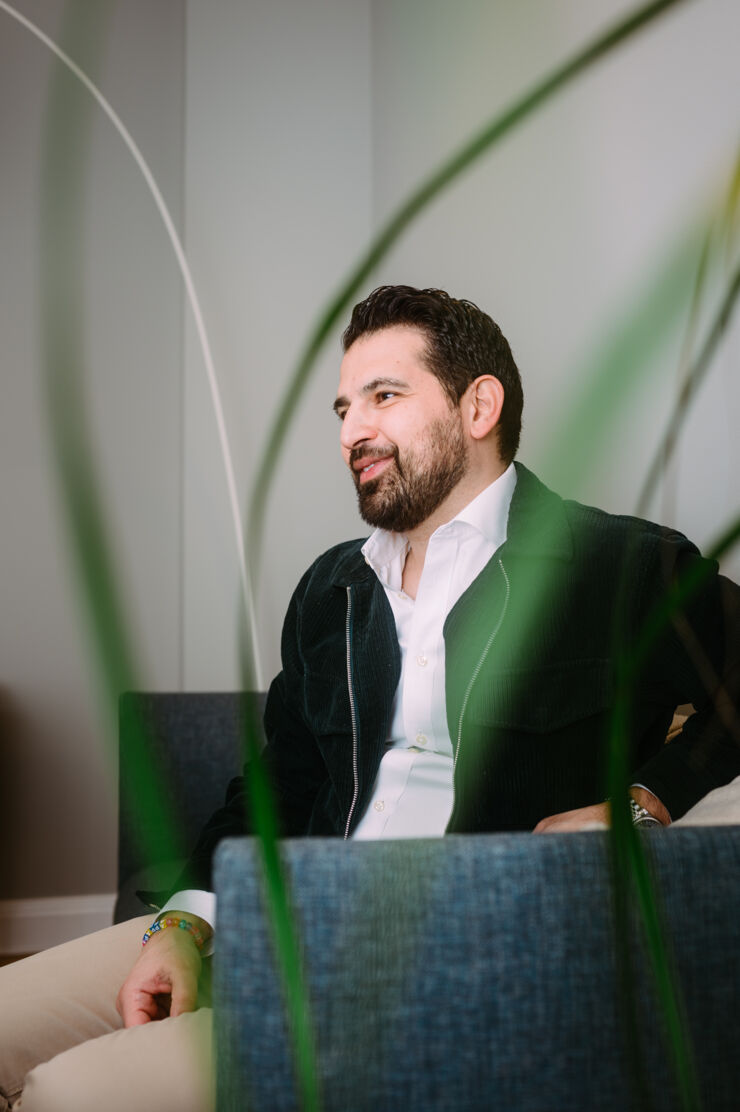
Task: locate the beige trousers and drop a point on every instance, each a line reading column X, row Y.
column 62, row 1046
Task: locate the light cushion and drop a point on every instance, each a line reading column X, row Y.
column 720, row 807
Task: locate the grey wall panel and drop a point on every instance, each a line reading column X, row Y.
column 59, row 822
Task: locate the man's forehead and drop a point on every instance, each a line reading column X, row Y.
column 393, row 356
column 397, row 341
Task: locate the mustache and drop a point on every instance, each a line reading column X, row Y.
column 373, row 453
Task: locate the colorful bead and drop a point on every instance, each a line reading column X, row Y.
column 168, row 921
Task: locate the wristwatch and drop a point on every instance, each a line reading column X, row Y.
column 641, row 816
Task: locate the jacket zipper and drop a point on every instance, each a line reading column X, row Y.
column 352, row 712
column 476, row 672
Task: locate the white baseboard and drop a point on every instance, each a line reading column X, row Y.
column 27, row 926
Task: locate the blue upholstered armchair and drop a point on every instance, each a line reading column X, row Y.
column 462, row 973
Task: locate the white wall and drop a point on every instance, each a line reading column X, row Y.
column 562, row 230
column 58, row 756
column 283, row 134
column 278, row 186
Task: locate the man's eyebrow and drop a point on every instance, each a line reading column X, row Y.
column 370, row 388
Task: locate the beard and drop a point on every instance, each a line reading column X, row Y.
column 409, row 490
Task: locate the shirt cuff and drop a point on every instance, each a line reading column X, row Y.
column 198, row 902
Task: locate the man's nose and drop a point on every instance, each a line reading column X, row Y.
column 356, row 428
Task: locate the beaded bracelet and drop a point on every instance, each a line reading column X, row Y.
column 183, row 924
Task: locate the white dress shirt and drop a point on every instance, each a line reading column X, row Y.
column 413, row 793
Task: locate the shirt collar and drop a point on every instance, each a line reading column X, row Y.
column 488, row 514
column 385, row 552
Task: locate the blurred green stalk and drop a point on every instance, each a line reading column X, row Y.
column 65, row 148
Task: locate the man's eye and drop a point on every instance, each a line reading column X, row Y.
column 385, row 394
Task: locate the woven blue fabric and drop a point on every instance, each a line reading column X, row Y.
column 476, row 972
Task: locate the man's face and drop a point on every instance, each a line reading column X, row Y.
column 401, row 437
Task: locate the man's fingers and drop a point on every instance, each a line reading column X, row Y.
column 132, row 1011
column 142, row 1003
column 136, row 1017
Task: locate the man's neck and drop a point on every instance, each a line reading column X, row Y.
column 412, row 570
column 418, row 538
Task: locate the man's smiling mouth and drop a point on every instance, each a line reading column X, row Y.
column 373, row 469
column 369, row 467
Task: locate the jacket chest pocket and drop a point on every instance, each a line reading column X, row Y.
column 542, row 700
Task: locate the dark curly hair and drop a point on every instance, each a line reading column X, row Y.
column 462, row 343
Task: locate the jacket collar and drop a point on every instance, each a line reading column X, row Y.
column 537, row 526
column 352, row 567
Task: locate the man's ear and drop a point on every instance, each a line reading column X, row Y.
column 483, row 402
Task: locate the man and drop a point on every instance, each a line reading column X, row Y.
column 455, row 672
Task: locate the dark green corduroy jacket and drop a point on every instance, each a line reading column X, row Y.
column 565, row 615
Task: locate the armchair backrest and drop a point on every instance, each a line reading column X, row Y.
column 194, row 747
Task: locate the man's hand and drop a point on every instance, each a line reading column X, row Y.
column 600, row 814
column 164, row 979
column 574, row 820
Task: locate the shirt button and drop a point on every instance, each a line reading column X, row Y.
column 379, row 805
column 421, row 661
column 421, row 739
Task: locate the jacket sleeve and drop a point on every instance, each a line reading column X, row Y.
column 294, row 766
column 695, row 658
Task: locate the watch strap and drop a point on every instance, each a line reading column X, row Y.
column 641, row 816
